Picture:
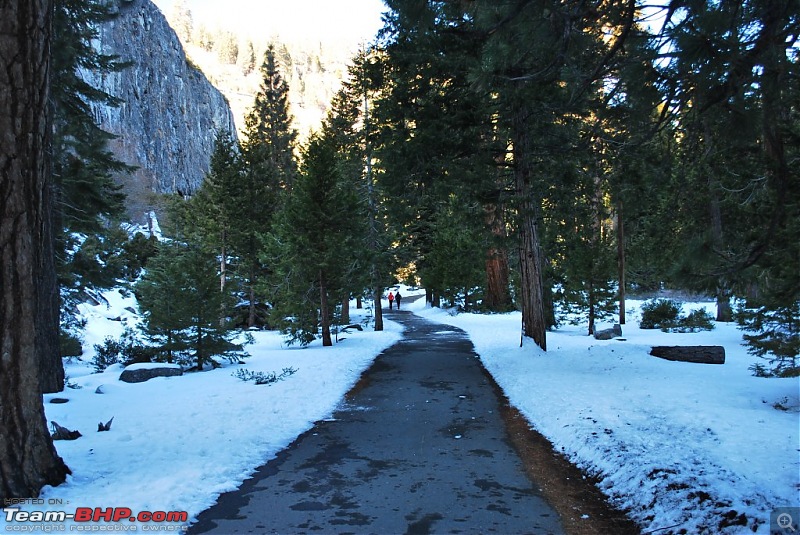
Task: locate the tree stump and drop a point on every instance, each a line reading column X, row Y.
column 697, row 354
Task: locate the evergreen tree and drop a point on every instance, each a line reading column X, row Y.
column 181, row 300
column 350, row 126
column 83, row 166
column 429, row 59
column 182, row 21
column 270, row 169
column 247, row 58
column 734, row 91
column 86, row 198
column 318, row 233
column 213, row 215
column 458, row 248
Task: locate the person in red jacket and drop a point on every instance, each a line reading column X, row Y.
column 391, row 300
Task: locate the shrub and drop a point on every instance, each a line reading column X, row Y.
column 697, row 320
column 660, row 314
column 665, row 314
column 261, row 378
column 106, row 354
column 69, row 344
column 126, row 351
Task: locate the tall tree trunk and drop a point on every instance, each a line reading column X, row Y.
column 621, row 263
column 377, row 297
column 345, row 308
column 534, row 323
column 223, row 266
column 724, row 312
column 324, row 311
column 51, row 368
column 372, row 203
column 251, row 314
column 497, row 271
column 28, row 459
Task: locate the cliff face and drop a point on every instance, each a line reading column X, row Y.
column 170, row 114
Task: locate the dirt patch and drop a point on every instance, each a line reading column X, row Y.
column 582, row 506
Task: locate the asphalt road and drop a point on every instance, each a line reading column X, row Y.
column 418, row 447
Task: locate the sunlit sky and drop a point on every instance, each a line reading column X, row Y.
column 324, row 20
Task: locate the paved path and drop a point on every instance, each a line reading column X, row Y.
column 419, row 448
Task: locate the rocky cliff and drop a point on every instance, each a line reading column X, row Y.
column 170, row 114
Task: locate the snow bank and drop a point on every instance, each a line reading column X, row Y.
column 673, row 443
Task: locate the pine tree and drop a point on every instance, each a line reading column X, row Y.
column 182, row 21
column 247, row 58
column 181, row 300
column 351, row 127
column 213, row 214
column 733, row 87
column 320, row 227
column 86, row 198
column 429, row 60
column 270, row 169
column 83, row 166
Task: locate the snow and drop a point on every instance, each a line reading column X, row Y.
column 674, row 444
column 151, row 366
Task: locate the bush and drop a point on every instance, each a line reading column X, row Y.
column 697, row 320
column 665, row 314
column 69, row 344
column 261, row 378
column 660, row 314
column 126, row 351
column 106, row 354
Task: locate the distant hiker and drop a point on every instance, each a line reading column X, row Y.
column 397, row 299
column 391, row 300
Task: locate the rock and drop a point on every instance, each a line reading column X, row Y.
column 139, row 373
column 59, row 400
column 608, row 334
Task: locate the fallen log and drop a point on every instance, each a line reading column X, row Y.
column 696, row 354
column 62, row 433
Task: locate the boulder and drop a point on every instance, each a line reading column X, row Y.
column 139, row 373
column 608, row 334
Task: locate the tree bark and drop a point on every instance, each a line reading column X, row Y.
column 324, row 311
column 377, row 297
column 621, row 262
column 696, row 354
column 28, row 334
column 345, row 309
column 497, row 271
column 534, row 323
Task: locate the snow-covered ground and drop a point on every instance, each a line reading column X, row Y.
column 676, row 444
